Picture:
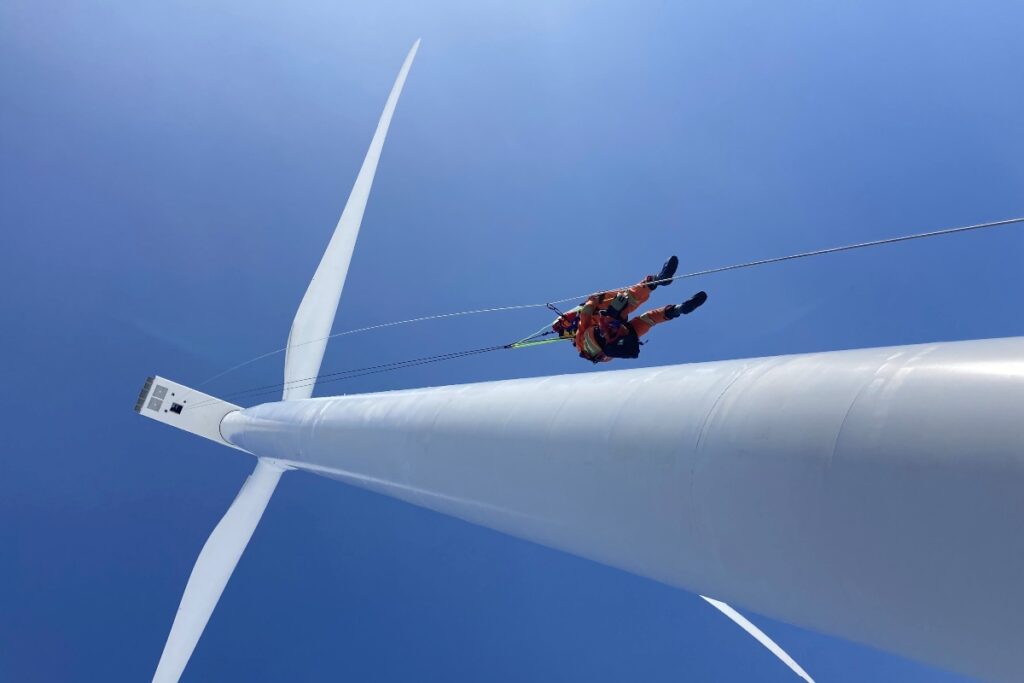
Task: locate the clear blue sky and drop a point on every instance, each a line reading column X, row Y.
column 170, row 173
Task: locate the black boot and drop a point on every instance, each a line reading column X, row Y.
column 668, row 271
column 687, row 307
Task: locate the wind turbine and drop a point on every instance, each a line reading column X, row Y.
column 873, row 494
column 307, row 341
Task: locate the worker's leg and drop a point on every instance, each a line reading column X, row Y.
column 643, row 323
column 628, row 300
column 667, row 274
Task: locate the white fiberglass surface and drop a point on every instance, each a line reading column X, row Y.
column 307, row 339
column 213, row 569
column 861, row 493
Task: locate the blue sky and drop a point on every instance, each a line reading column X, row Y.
column 170, row 173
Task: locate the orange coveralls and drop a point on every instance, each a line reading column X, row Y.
column 590, row 321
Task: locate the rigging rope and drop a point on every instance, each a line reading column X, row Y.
column 532, row 339
column 351, row 374
column 848, row 247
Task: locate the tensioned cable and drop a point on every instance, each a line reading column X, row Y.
column 833, row 250
column 394, row 323
column 709, row 271
column 532, row 340
column 352, row 373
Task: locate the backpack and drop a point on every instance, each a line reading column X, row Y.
column 627, row 346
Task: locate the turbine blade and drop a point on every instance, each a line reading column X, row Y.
column 760, row 636
column 216, row 561
column 307, row 339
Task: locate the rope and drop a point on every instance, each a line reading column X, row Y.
column 353, row 373
column 537, row 342
column 369, row 328
column 848, row 247
column 551, row 304
column 532, row 340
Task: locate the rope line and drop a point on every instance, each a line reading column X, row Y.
column 369, row 328
column 849, row 247
column 352, row 373
column 527, row 341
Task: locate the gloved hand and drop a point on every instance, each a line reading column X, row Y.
column 617, row 306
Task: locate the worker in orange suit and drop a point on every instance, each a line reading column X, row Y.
column 603, row 330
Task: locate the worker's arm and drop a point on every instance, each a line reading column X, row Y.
column 586, row 319
column 586, row 323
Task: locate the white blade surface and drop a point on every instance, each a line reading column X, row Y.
column 213, row 569
column 307, row 339
column 760, row 636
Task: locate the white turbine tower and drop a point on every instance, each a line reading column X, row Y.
column 872, row 494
